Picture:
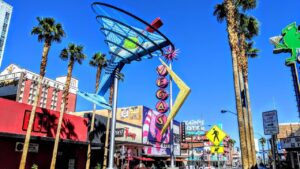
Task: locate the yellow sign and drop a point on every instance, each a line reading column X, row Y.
column 184, row 91
column 217, row 149
column 215, row 135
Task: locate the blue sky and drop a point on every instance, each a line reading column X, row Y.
column 204, row 62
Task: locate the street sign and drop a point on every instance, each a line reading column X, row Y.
column 217, row 149
column 270, row 121
column 215, row 135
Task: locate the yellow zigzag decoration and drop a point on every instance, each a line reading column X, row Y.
column 184, row 91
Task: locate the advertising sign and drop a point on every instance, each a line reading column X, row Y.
column 270, row 121
column 130, row 134
column 176, row 137
column 194, row 127
column 159, row 143
column 132, row 115
column 119, row 132
column 290, row 142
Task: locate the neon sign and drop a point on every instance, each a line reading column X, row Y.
column 162, row 82
column 162, row 106
column 162, row 94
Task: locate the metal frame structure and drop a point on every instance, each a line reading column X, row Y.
column 116, row 33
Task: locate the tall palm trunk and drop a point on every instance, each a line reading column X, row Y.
column 89, row 154
column 46, row 49
column 242, row 73
column 111, row 94
column 247, row 113
column 250, row 123
column 245, row 116
column 61, row 114
column 233, row 42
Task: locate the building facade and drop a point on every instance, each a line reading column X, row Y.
column 197, row 148
column 14, row 119
column 21, row 85
column 289, row 144
column 5, row 15
column 138, row 133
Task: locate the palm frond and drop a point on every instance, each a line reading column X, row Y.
column 220, row 12
column 64, row 54
column 246, row 4
column 48, row 30
column 73, row 52
column 251, row 51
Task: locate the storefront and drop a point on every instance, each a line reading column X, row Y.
column 137, row 134
column 13, row 125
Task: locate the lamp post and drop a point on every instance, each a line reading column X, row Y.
column 228, row 111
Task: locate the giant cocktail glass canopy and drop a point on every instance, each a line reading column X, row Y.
column 129, row 38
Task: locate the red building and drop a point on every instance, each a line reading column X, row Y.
column 14, row 119
column 20, row 85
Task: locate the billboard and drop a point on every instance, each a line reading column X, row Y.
column 128, row 133
column 132, row 115
column 194, row 127
column 153, row 122
column 124, row 132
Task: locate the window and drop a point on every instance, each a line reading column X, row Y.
column 7, row 14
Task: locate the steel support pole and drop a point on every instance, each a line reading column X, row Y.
column 171, row 125
column 274, row 151
column 113, row 123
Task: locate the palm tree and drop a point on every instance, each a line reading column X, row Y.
column 98, row 61
column 262, row 141
column 73, row 53
column 48, row 31
column 111, row 94
column 227, row 10
column 248, row 28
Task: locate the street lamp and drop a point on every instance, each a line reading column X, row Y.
column 228, row 111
